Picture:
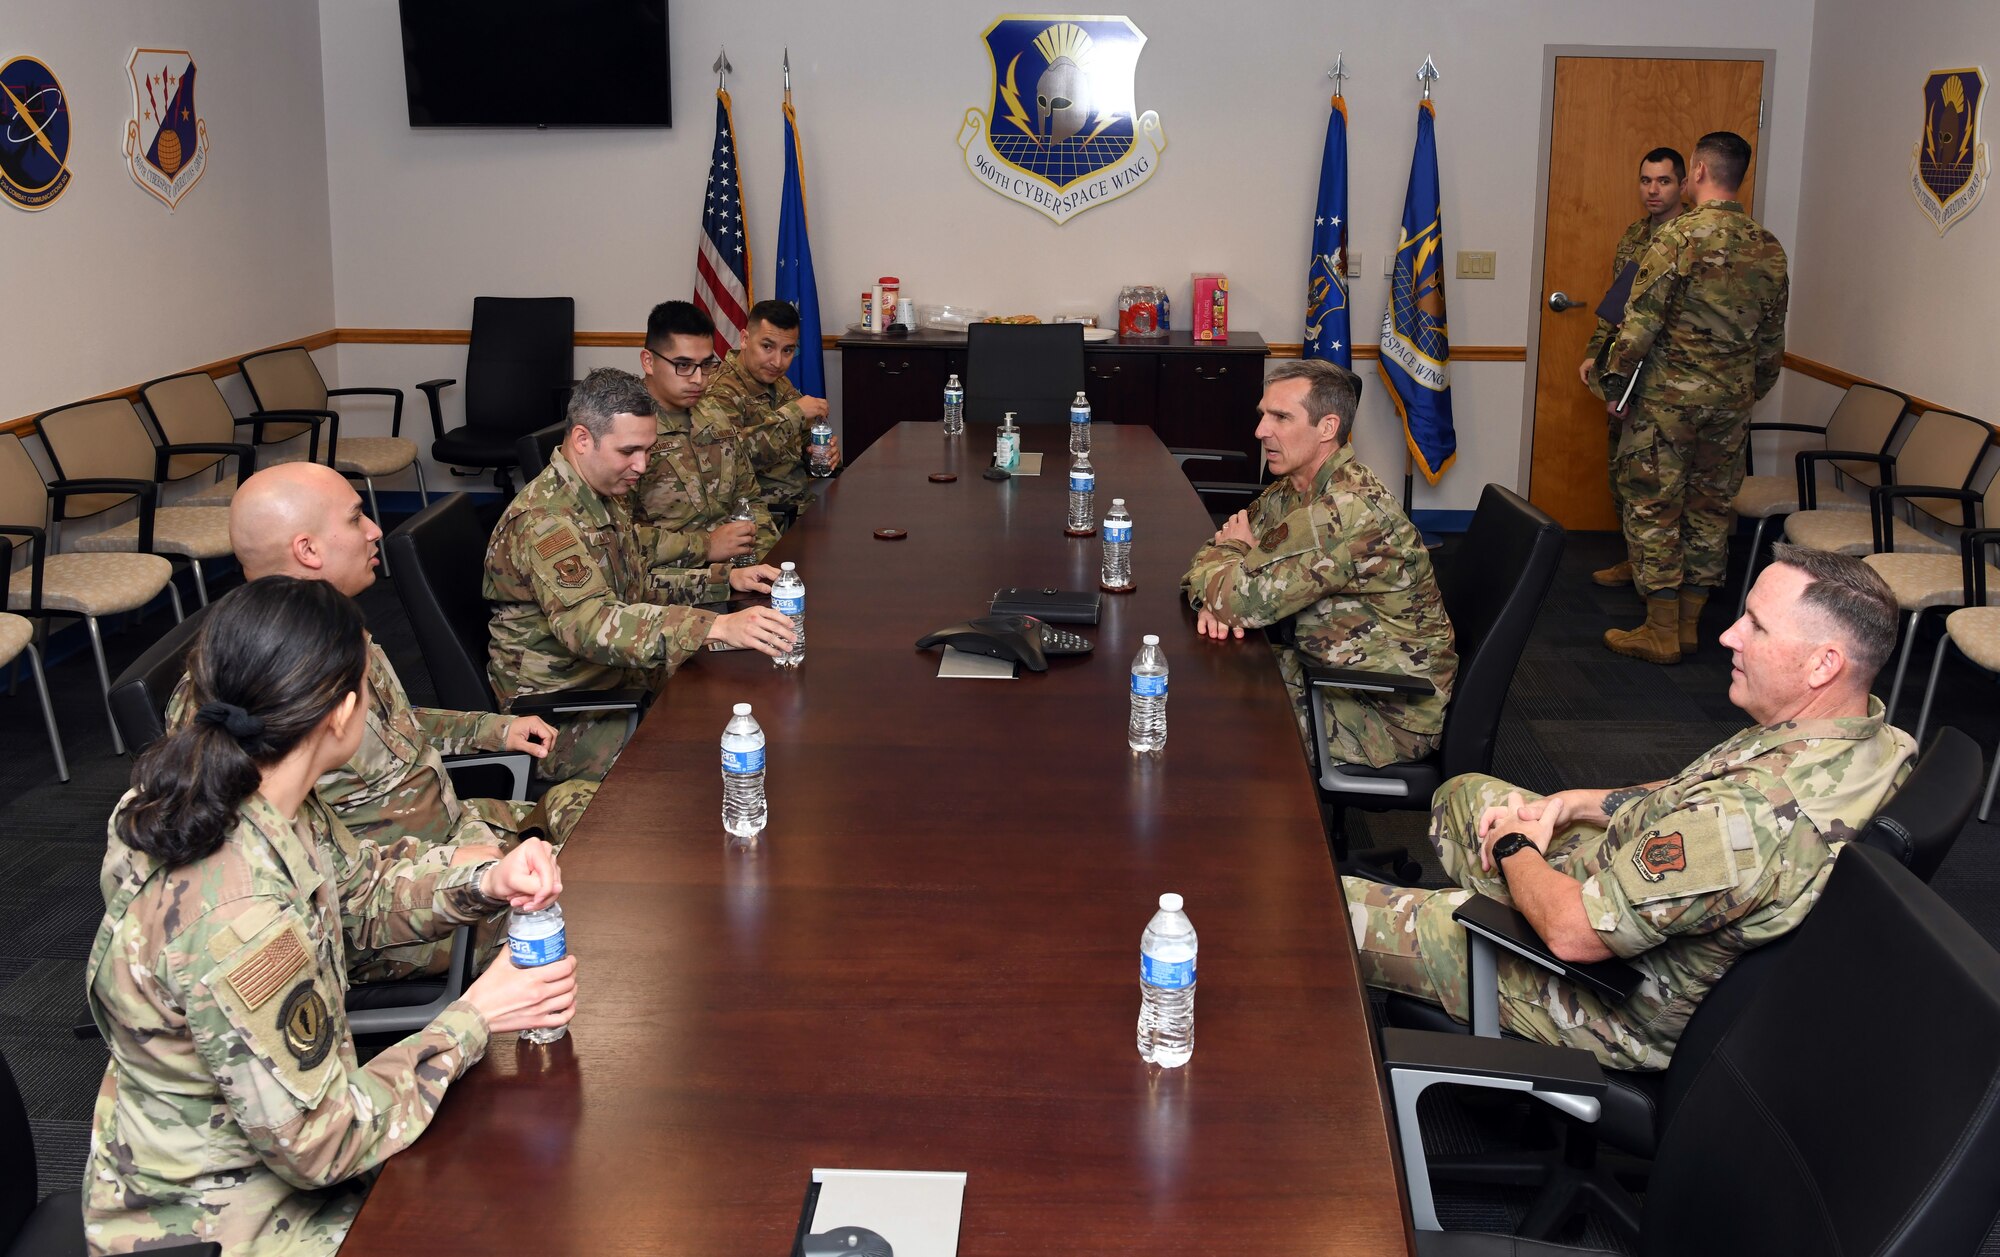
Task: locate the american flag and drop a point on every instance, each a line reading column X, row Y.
column 722, row 264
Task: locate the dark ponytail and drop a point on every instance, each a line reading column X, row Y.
column 268, row 664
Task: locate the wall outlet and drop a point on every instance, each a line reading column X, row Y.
column 1474, row 264
column 1388, row 264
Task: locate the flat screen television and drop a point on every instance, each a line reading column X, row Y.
column 536, row 63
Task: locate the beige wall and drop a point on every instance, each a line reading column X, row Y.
column 106, row 287
column 1875, row 290
column 424, row 220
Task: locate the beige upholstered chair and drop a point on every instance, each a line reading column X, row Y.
column 17, row 634
column 1974, row 629
column 289, row 380
column 198, row 433
column 1926, row 582
column 105, row 442
column 76, row 586
column 1866, row 420
column 1943, row 449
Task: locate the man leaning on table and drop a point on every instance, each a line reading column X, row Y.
column 1678, row 877
column 577, row 601
column 1328, row 544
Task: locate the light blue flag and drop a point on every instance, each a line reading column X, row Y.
column 795, row 281
column 1416, row 352
column 1326, row 274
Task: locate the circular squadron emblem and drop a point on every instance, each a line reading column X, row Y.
column 34, row 134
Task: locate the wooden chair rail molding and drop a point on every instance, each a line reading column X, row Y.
column 633, row 340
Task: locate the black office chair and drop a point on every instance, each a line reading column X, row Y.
column 445, row 548
column 1850, row 1108
column 54, row 1227
column 1034, row 370
column 1916, row 826
column 518, row 370
column 1493, row 587
column 532, row 451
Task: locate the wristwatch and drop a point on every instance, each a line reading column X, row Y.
column 1508, row 844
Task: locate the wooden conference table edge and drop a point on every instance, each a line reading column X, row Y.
column 1378, row 1129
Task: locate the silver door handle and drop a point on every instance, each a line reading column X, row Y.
column 1560, row 301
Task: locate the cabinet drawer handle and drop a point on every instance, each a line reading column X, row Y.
column 886, row 369
column 1101, row 372
column 1203, row 375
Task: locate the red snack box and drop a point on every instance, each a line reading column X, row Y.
column 1211, row 307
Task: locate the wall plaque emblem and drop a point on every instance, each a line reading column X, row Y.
column 34, row 134
column 1948, row 168
column 166, row 141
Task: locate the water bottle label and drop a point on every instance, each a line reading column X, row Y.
column 789, row 604
column 822, row 437
column 1079, row 416
column 1168, row 975
column 1082, row 482
column 743, row 761
column 1148, row 686
column 532, row 953
column 1117, row 530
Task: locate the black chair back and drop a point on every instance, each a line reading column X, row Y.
column 533, row 450
column 520, row 363
column 1493, row 588
column 440, row 557
column 1921, row 821
column 139, row 695
column 17, row 1157
column 1034, row 370
column 1852, row 1108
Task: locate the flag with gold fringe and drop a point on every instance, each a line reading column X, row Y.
column 1416, row 350
column 722, row 259
column 794, row 280
column 1326, row 274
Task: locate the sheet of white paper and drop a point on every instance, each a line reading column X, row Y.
column 915, row 1210
column 1030, row 464
column 959, row 664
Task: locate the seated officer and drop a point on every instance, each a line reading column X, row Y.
column 1326, row 542
column 576, row 604
column 772, row 419
column 696, row 473
column 304, row 520
column 1677, row 877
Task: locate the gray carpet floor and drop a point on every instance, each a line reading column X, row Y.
column 1577, row 715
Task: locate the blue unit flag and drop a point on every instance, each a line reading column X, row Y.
column 795, row 282
column 1416, row 351
column 1326, row 275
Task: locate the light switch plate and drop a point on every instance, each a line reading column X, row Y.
column 1475, row 264
column 1353, row 264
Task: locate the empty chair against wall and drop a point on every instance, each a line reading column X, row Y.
column 288, row 380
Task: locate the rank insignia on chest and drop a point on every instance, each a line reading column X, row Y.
column 1276, row 537
column 572, row 572
column 307, row 1027
column 1660, row 855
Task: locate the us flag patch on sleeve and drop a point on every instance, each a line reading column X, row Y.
column 267, row 970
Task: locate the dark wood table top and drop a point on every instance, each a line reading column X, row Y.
column 1180, row 341
column 931, row 961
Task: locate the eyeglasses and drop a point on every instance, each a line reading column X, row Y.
column 685, row 367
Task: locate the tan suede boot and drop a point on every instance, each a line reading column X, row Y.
column 1619, row 573
column 1692, row 601
column 1658, row 639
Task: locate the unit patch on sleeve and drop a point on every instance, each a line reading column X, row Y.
column 1660, row 855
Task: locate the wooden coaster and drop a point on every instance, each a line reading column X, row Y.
column 890, row 534
column 943, row 477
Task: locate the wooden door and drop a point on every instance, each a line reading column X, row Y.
column 1608, row 113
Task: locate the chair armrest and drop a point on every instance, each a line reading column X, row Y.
column 1568, row 1079
column 564, row 701
column 38, row 546
column 1491, row 922
column 1322, row 676
column 407, row 1018
column 1970, row 544
column 1808, row 484
column 1185, row 454
column 1787, row 427
column 258, row 420
column 1881, row 497
column 395, row 416
column 146, row 491
column 244, row 453
column 430, row 389
column 517, row 763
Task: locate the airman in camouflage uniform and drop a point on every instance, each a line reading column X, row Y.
column 696, row 473
column 396, row 793
column 770, row 424
column 1343, row 559
column 234, row 1108
column 1705, row 330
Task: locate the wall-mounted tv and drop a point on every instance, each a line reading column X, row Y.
column 536, row 63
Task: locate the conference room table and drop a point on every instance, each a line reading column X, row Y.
column 929, row 961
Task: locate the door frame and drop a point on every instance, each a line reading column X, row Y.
column 1550, row 52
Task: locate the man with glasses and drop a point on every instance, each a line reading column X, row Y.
column 772, row 419
column 695, row 474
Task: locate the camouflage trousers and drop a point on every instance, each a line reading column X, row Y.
column 1617, row 437
column 587, row 745
column 1407, row 942
column 558, row 811
column 1356, row 733
column 1674, row 474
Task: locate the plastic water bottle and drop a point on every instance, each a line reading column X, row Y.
column 1079, row 424
column 1166, row 986
column 788, row 597
column 743, row 809
column 1117, row 572
column 819, row 454
column 742, row 515
column 1007, row 445
column 535, row 939
column 1082, row 497
column 954, row 407
column 1148, row 728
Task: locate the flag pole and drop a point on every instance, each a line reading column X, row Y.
column 788, row 77
column 722, row 69
column 1427, row 74
column 1339, row 73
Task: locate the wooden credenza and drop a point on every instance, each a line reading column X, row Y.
column 1192, row 393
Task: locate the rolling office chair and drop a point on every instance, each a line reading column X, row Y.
column 1034, row 370
column 1799, row 1121
column 1917, row 827
column 444, row 547
column 1493, row 588
column 518, row 369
